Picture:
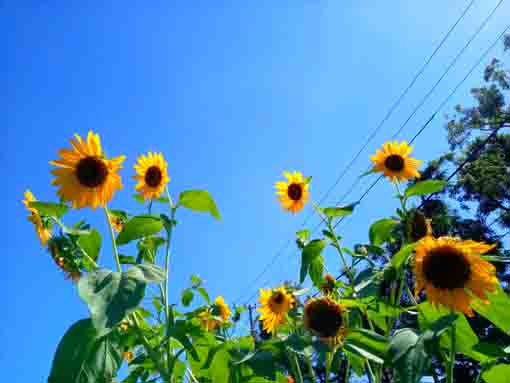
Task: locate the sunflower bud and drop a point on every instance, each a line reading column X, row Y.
column 418, row 226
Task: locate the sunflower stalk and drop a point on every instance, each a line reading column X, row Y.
column 451, row 362
column 112, row 236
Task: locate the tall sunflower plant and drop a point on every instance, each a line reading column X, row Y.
column 386, row 317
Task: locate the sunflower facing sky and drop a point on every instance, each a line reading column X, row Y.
column 43, row 233
column 446, row 267
column 325, row 318
column 394, row 161
column 152, row 175
column 84, row 176
column 276, row 303
column 292, row 193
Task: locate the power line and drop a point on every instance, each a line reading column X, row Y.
column 370, row 137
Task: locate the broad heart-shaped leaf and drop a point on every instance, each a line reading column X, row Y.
column 83, row 356
column 380, row 231
column 316, row 270
column 466, row 339
column 199, row 200
column 110, row 296
column 49, row 209
column 367, row 344
column 90, row 243
column 139, row 227
column 424, row 188
column 147, row 273
column 401, row 257
column 498, row 309
column 499, row 373
column 339, row 211
column 312, row 250
column 186, row 297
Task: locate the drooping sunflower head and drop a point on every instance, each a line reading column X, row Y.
column 418, row 226
column 293, row 193
column 325, row 318
column 84, row 176
column 43, row 232
column 445, row 267
column 394, row 161
column 57, row 248
column 208, row 321
column 221, row 309
column 152, row 175
column 275, row 304
column 328, row 286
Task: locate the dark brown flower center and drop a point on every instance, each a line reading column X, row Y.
column 153, row 176
column 394, row 162
column 295, row 191
column 446, row 268
column 91, row 172
column 324, row 316
column 278, row 298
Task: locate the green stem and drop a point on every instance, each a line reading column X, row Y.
column 347, row 371
column 451, row 364
column 371, row 375
column 329, row 360
column 401, row 197
column 112, row 236
column 150, row 206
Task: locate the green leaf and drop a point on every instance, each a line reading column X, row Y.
column 147, row 273
column 400, row 258
column 199, row 200
column 110, row 296
column 316, row 270
column 303, row 235
column 186, row 297
column 127, row 259
column 366, row 173
column 497, row 374
column 495, row 258
column 196, row 281
column 341, row 211
column 204, row 294
column 84, row 357
column 90, row 243
column 139, row 227
column 424, row 188
column 368, row 344
column 179, row 332
column 312, row 250
column 49, row 209
column 498, row 309
column 380, row 231
column 139, row 198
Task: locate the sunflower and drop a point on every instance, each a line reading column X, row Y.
column 325, row 318
column 208, row 321
column 394, row 161
column 276, row 303
column 293, row 193
column 328, row 285
column 43, row 233
column 85, row 176
column 221, row 308
column 152, row 175
column 446, row 267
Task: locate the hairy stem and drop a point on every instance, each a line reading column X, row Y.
column 112, row 236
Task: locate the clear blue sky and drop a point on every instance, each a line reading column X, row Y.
column 233, row 95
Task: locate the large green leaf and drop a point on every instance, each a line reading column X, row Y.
column 187, row 297
column 498, row 309
column 84, row 357
column 49, row 209
column 199, row 200
column 466, row 339
column 424, row 188
column 147, row 273
column 339, row 211
column 311, row 251
column 368, row 344
column 90, row 243
column 380, row 231
column 139, row 227
column 111, row 296
column 316, row 270
column 400, row 258
column 499, row 373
